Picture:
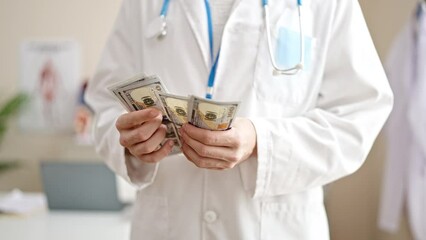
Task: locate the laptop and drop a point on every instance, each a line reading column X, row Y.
column 80, row 186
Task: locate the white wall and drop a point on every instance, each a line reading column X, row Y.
column 87, row 22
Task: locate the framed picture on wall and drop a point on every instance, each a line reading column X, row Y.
column 50, row 76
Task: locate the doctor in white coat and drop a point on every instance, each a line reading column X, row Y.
column 263, row 178
column 404, row 185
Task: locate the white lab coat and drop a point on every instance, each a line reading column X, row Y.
column 312, row 128
column 405, row 174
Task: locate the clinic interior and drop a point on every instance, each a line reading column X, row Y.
column 353, row 203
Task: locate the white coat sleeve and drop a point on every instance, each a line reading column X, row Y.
column 333, row 139
column 119, row 61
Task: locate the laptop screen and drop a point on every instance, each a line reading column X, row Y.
column 80, row 186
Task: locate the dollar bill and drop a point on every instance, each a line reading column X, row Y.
column 139, row 93
column 121, row 84
column 211, row 115
column 176, row 107
column 116, row 87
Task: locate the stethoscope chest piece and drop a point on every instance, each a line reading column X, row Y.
column 157, row 28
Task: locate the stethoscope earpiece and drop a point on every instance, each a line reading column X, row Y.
column 157, row 28
column 163, row 33
column 163, row 30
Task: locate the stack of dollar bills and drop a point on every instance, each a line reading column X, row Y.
column 142, row 92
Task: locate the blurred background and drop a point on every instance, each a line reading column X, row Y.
column 352, row 203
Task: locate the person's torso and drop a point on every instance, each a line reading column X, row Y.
column 244, row 73
column 186, row 202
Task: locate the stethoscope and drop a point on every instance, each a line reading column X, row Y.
column 162, row 24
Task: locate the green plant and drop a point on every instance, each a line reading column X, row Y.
column 7, row 111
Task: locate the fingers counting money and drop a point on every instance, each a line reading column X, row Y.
column 198, row 127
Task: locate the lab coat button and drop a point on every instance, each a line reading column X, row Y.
column 210, row 216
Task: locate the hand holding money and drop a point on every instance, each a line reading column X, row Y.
column 141, row 93
column 142, row 132
column 219, row 149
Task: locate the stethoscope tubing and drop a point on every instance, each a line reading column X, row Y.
column 276, row 70
column 299, row 66
column 165, row 8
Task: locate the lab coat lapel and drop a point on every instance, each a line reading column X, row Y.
column 417, row 109
column 239, row 37
column 196, row 14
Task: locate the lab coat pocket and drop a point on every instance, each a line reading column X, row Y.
column 288, row 51
column 150, row 218
column 248, row 172
column 290, row 90
column 293, row 221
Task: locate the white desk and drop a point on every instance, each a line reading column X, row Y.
column 65, row 225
